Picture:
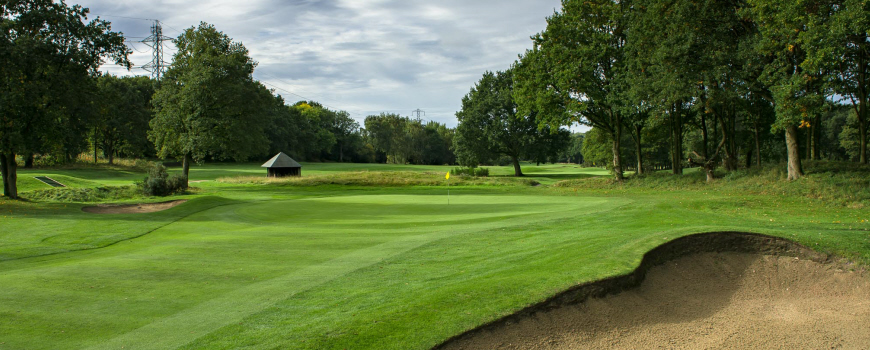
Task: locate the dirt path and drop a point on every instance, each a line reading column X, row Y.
column 132, row 208
column 706, row 301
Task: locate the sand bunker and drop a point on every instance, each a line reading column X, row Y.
column 706, row 300
column 132, row 208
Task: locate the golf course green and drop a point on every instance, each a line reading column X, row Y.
column 329, row 266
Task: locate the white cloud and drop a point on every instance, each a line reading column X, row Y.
column 363, row 56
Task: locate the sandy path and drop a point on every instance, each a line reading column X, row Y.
column 132, row 208
column 707, row 301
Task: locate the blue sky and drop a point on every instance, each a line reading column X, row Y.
column 361, row 56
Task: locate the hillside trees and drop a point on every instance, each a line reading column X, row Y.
column 49, row 49
column 490, row 124
column 208, row 104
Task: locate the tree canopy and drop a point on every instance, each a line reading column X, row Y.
column 208, row 104
column 490, row 124
column 50, row 52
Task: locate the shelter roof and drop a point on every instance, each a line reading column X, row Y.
column 282, row 161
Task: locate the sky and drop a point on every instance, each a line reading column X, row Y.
column 361, row 56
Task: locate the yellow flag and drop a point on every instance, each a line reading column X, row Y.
column 447, row 177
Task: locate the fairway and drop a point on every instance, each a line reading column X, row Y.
column 347, row 266
column 218, row 266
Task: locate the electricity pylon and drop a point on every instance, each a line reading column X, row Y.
column 157, row 66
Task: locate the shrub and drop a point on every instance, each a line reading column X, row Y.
column 159, row 183
column 475, row 172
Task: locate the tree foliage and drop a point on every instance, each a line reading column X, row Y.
column 575, row 71
column 208, row 105
column 50, row 52
column 490, row 124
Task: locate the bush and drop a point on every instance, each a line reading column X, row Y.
column 159, row 183
column 475, row 172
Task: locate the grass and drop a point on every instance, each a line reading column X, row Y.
column 360, row 256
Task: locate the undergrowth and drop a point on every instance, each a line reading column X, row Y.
column 84, row 195
column 836, row 183
column 379, row 178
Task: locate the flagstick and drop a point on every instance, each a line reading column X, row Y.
column 448, row 188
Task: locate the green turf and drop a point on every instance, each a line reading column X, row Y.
column 340, row 267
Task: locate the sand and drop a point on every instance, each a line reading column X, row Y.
column 132, row 208
column 706, row 301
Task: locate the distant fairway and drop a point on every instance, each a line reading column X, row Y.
column 278, row 266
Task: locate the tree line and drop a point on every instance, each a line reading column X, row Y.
column 705, row 82
column 57, row 105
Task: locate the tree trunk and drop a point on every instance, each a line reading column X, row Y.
column 809, row 135
column 639, row 145
column 4, row 172
column 617, row 153
column 817, row 138
column 28, row 161
column 95, row 146
column 795, row 171
column 730, row 159
column 676, row 141
column 757, row 144
column 709, row 171
column 705, row 136
column 185, row 168
column 518, row 172
column 748, row 158
column 862, row 132
column 10, row 175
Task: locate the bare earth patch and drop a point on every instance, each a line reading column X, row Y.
column 132, row 208
column 707, row 300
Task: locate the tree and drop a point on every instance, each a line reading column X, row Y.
column 388, row 133
column 574, row 153
column 838, row 43
column 574, row 72
column 208, row 104
column 489, row 123
column 123, row 114
column 346, row 133
column 49, row 50
column 794, row 85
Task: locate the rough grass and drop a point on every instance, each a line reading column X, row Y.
column 85, row 195
column 835, row 183
column 380, row 179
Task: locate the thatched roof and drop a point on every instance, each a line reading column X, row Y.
column 282, row 161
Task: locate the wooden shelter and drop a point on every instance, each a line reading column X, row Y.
column 282, row 166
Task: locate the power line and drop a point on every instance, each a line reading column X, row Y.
column 274, row 78
column 136, row 18
column 297, row 95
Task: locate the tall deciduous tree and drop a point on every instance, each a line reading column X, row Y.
column 795, row 89
column 47, row 49
column 208, row 105
column 489, row 123
column 574, row 72
column 838, row 44
column 122, row 116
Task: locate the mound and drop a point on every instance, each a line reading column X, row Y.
column 132, row 208
column 706, row 300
